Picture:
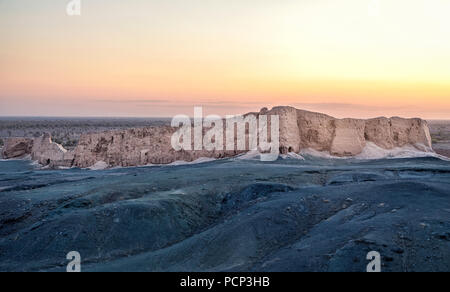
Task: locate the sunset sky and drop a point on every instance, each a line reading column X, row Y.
column 347, row 58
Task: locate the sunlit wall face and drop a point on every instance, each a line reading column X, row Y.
column 356, row 58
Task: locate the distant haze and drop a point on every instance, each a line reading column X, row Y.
column 348, row 58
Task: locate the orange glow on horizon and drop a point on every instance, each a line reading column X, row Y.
column 148, row 58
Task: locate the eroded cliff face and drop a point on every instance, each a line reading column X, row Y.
column 17, row 148
column 135, row 147
column 47, row 152
column 299, row 130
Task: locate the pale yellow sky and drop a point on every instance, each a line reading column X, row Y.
column 356, row 58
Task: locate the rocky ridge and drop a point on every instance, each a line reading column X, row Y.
column 299, row 130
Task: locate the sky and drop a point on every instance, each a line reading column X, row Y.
column 346, row 58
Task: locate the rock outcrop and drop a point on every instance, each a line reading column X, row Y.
column 47, row 152
column 17, row 148
column 141, row 146
column 299, row 130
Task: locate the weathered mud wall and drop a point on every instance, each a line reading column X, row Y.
column 299, row 130
column 347, row 137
